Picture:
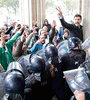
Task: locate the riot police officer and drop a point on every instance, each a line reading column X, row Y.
column 76, row 55
column 36, row 85
column 14, row 82
column 54, row 67
column 73, row 59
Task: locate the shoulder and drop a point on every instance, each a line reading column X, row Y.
column 65, row 57
column 82, row 52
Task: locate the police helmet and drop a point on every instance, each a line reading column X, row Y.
column 37, row 63
column 62, row 48
column 51, row 51
column 74, row 42
column 14, row 79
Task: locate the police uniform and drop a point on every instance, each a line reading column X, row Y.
column 51, row 54
column 73, row 59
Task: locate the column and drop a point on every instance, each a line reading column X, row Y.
column 80, row 6
column 39, row 12
column 32, row 10
column 42, row 11
column 86, row 18
column 26, row 13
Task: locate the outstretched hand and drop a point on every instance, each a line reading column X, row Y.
column 59, row 12
column 23, row 37
column 13, row 24
column 79, row 95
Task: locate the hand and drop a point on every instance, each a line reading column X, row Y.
column 23, row 37
column 53, row 71
column 59, row 12
column 13, row 24
column 22, row 28
column 79, row 95
column 3, row 38
column 34, row 22
column 53, row 24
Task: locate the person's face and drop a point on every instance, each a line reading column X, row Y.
column 27, row 33
column 45, row 28
column 19, row 26
column 42, row 39
column 54, row 23
column 4, row 37
column 77, row 21
column 24, row 47
column 65, row 34
column 44, row 33
column 46, row 22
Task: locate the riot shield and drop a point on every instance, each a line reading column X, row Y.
column 77, row 79
column 2, row 92
column 12, row 97
column 86, row 43
column 62, row 48
column 86, row 65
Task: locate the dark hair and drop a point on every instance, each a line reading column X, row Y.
column 78, row 15
column 45, row 21
column 5, row 24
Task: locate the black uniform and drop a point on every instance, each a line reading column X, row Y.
column 55, row 70
column 37, row 86
column 73, row 59
column 59, row 83
column 70, row 61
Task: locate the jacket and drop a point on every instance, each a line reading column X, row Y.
column 6, row 53
column 73, row 59
column 74, row 30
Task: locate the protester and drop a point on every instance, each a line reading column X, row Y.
column 75, row 29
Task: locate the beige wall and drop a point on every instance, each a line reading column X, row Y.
column 86, row 18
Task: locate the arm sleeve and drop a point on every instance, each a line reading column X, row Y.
column 67, row 25
column 34, row 48
column 9, row 30
column 29, row 38
column 10, row 42
column 18, row 49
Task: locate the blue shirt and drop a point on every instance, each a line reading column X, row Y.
column 36, row 47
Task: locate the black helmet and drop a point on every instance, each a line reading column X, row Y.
column 14, row 80
column 62, row 48
column 74, row 42
column 51, row 51
column 37, row 63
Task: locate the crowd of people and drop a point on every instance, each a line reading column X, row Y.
column 43, row 71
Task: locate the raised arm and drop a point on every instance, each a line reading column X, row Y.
column 63, row 22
